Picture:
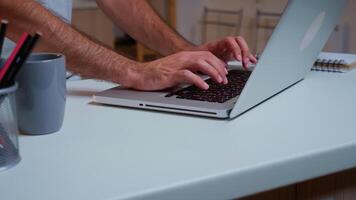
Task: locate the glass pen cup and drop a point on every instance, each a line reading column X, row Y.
column 9, row 145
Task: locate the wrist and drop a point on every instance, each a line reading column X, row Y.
column 126, row 73
column 196, row 48
column 182, row 45
column 187, row 47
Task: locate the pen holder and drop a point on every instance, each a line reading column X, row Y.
column 9, row 146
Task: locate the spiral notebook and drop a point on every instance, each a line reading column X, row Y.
column 329, row 65
column 326, row 62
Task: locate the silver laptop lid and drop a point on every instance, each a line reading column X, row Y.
column 300, row 35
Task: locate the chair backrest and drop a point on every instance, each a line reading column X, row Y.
column 266, row 22
column 221, row 22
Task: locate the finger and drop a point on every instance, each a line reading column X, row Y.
column 186, row 76
column 253, row 59
column 245, row 51
column 216, row 62
column 222, row 72
column 206, row 68
column 234, row 48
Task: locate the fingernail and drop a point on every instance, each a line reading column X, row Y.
column 226, row 72
column 254, row 59
column 206, row 86
column 220, row 79
column 239, row 57
column 226, row 81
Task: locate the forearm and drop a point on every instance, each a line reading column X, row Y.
column 83, row 55
column 139, row 20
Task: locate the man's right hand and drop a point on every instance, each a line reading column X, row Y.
column 175, row 69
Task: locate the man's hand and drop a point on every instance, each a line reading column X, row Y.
column 231, row 48
column 176, row 69
column 182, row 67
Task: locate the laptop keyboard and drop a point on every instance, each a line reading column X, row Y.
column 217, row 93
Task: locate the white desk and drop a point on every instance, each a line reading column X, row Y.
column 118, row 153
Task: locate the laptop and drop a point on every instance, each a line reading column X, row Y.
column 301, row 33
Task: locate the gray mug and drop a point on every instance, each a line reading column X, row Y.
column 41, row 96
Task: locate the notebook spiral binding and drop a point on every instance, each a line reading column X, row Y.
column 329, row 65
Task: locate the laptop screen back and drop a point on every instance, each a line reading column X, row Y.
column 300, row 35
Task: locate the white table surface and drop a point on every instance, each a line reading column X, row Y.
column 111, row 153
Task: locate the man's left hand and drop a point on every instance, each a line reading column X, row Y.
column 230, row 48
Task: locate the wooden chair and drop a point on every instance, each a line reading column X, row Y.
column 266, row 22
column 225, row 22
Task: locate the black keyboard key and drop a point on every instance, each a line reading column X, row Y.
column 217, row 93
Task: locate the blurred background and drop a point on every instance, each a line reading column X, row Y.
column 201, row 21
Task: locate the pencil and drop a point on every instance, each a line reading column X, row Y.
column 5, row 80
column 3, row 29
column 30, row 43
column 13, row 55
